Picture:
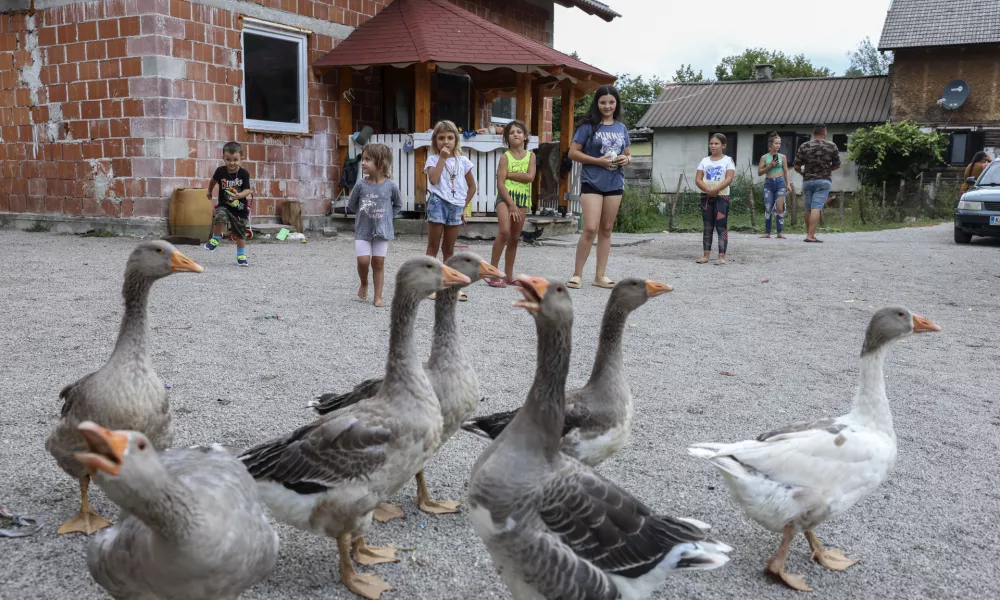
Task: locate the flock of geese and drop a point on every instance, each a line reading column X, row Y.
column 194, row 522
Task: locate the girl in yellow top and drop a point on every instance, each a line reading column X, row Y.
column 515, row 173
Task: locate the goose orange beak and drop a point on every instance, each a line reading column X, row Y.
column 106, row 448
column 533, row 289
column 924, row 325
column 488, row 271
column 181, row 264
column 453, row 277
column 655, row 288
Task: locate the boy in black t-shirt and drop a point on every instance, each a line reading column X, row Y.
column 234, row 187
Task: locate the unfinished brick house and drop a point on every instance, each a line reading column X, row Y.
column 106, row 106
column 935, row 43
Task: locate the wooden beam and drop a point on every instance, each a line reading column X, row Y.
column 474, row 108
column 566, row 136
column 536, row 126
column 522, row 103
column 346, row 75
column 421, row 123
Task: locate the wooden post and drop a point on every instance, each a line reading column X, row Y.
column 346, row 74
column 937, row 189
column 566, row 136
column 753, row 212
column 522, row 98
column 920, row 188
column 881, row 211
column 536, row 124
column 840, row 201
column 861, row 206
column 473, row 108
column 899, row 198
column 421, row 123
column 672, row 223
column 792, row 204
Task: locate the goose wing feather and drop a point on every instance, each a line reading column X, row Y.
column 321, row 454
column 607, row 526
column 811, row 457
column 328, row 403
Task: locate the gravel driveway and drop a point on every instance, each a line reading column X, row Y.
column 785, row 319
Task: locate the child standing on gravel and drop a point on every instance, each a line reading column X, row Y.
column 232, row 210
column 715, row 172
column 450, row 188
column 375, row 201
column 515, row 172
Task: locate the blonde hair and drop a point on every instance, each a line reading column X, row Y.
column 381, row 156
column 444, row 127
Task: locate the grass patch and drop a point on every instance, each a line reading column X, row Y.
column 38, row 227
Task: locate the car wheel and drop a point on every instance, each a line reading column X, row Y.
column 961, row 237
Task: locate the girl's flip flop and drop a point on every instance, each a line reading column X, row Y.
column 604, row 282
column 574, row 282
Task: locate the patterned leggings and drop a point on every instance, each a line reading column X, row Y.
column 714, row 215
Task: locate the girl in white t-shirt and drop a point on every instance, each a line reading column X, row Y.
column 715, row 173
column 450, row 188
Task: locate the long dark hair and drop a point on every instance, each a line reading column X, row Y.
column 594, row 116
column 978, row 157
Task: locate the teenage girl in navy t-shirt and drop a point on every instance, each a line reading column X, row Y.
column 601, row 145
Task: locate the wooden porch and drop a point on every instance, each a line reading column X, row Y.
column 490, row 62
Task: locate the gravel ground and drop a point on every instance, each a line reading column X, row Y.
column 785, row 319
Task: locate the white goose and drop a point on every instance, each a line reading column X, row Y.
column 795, row 477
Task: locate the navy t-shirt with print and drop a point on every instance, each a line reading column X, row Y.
column 238, row 182
column 606, row 138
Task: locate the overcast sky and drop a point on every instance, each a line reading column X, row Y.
column 653, row 37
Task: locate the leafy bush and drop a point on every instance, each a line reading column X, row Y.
column 894, row 151
column 639, row 211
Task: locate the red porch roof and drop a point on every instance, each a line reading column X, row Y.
column 420, row 31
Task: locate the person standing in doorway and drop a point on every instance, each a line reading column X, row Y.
column 774, row 168
column 601, row 145
column 816, row 160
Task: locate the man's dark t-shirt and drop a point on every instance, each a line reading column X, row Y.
column 238, row 182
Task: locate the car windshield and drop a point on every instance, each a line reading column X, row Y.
column 990, row 177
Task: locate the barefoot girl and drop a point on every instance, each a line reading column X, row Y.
column 715, row 172
column 450, row 187
column 515, row 172
column 601, row 145
column 375, row 201
column 775, row 169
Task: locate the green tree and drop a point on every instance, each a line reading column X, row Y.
column 893, row 151
column 867, row 60
column 637, row 94
column 686, row 74
column 740, row 67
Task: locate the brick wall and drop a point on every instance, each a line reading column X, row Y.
column 106, row 106
column 920, row 75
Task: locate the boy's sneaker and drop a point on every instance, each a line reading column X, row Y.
column 241, row 260
column 211, row 244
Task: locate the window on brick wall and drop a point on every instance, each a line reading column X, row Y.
column 275, row 81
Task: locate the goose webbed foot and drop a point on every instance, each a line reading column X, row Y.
column 776, row 564
column 387, row 512
column 831, row 558
column 372, row 555
column 366, row 585
column 430, row 505
column 86, row 521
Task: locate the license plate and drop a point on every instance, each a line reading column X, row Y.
column 994, row 220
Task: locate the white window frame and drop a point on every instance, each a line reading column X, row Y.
column 287, row 34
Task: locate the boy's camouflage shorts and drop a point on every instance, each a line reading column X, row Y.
column 237, row 224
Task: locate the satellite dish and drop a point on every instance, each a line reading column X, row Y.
column 955, row 94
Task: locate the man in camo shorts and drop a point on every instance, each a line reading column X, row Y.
column 816, row 160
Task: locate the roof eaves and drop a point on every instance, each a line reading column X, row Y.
column 591, row 7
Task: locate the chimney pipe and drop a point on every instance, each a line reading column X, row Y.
column 764, row 72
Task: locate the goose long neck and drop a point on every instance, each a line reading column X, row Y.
column 871, row 405
column 608, row 360
column 161, row 501
column 446, row 345
column 544, row 409
column 402, row 361
column 133, row 334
